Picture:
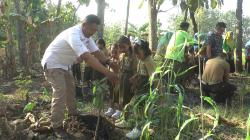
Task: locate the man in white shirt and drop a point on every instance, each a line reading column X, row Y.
column 73, row 45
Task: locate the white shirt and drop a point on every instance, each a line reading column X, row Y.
column 67, row 47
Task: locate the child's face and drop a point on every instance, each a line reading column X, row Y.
column 123, row 48
column 140, row 54
column 114, row 53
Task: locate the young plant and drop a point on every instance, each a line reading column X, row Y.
column 98, row 100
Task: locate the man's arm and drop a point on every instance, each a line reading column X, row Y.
column 95, row 64
column 104, row 60
column 100, row 56
column 208, row 51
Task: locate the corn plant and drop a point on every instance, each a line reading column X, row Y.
column 163, row 111
column 217, row 113
column 184, row 125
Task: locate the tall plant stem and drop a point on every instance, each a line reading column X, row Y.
column 97, row 124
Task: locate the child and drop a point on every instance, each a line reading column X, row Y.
column 127, row 63
column 102, row 46
column 113, row 89
column 146, row 67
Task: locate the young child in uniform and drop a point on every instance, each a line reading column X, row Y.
column 102, row 46
column 113, row 88
column 145, row 68
column 128, row 64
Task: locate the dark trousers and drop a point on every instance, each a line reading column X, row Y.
column 230, row 60
column 219, row 92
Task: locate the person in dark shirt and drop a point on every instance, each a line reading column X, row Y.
column 215, row 41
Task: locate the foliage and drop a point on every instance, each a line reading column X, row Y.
column 40, row 25
column 29, row 107
column 248, row 128
column 207, row 18
column 99, row 88
column 142, row 31
column 112, row 33
column 164, row 113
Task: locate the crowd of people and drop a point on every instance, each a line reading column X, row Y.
column 128, row 64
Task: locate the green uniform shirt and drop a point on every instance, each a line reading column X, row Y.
column 177, row 44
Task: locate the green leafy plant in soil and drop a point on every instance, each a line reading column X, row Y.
column 99, row 87
column 164, row 116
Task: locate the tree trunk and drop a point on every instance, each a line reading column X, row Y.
column 58, row 9
column 185, row 15
column 74, row 18
column 152, row 24
column 192, row 17
column 239, row 36
column 127, row 16
column 21, row 37
column 10, row 62
column 100, row 14
column 33, row 54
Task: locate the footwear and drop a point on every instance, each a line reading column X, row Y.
column 60, row 133
column 117, row 114
column 134, row 134
column 109, row 112
column 121, row 124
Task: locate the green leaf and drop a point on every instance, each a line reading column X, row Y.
column 180, row 103
column 45, row 91
column 29, row 107
column 248, row 128
column 185, row 71
column 145, row 135
column 217, row 114
column 183, row 126
column 214, row 4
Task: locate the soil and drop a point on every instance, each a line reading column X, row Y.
column 83, row 127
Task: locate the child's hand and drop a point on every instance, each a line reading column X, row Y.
column 114, row 65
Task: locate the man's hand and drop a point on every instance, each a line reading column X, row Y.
column 112, row 77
